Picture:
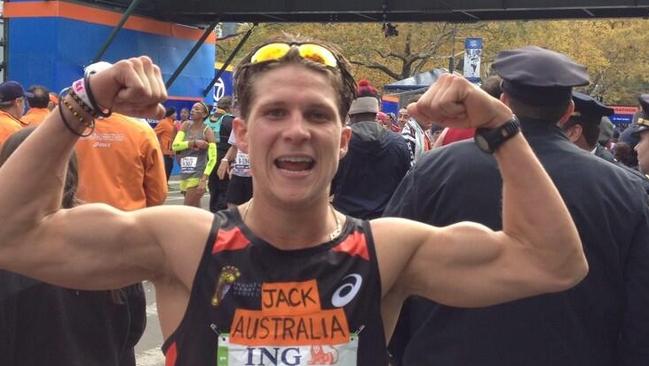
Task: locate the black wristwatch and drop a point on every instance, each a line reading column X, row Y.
column 489, row 139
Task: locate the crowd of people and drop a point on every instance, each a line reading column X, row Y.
column 491, row 225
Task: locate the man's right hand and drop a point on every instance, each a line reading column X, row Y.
column 133, row 87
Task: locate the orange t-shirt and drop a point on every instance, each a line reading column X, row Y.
column 8, row 125
column 35, row 116
column 121, row 164
column 166, row 131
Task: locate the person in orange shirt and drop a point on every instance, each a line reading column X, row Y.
column 166, row 131
column 38, row 104
column 12, row 106
column 121, row 164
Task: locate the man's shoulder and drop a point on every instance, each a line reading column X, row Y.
column 227, row 119
column 396, row 139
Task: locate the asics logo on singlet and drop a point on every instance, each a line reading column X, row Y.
column 347, row 291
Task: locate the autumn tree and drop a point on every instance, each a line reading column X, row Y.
column 613, row 50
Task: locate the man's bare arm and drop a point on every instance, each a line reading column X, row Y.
column 91, row 246
column 537, row 251
column 96, row 246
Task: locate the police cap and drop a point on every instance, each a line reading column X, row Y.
column 538, row 76
column 589, row 109
column 644, row 102
column 640, row 126
column 641, row 118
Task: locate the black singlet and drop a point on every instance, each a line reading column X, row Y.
column 253, row 304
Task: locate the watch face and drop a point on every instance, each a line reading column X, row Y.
column 482, row 143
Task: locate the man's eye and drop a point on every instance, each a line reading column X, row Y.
column 318, row 115
column 276, row 113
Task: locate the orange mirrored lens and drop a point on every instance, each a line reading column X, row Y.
column 270, row 52
column 319, row 54
column 309, row 51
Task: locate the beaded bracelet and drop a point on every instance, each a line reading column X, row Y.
column 63, row 102
column 83, row 104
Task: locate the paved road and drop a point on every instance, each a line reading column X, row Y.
column 148, row 351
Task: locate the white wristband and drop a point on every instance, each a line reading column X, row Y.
column 80, row 89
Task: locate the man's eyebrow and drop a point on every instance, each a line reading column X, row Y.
column 273, row 103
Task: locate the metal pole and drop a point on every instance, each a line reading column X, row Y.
column 451, row 62
column 191, row 54
column 119, row 26
column 229, row 60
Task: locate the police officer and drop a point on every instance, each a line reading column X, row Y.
column 583, row 128
column 638, row 130
column 604, row 321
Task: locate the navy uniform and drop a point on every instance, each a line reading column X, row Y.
column 605, row 130
column 603, row 321
column 643, row 99
column 589, row 113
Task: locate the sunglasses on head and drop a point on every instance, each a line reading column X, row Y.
column 307, row 51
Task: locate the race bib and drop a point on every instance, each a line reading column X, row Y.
column 188, row 164
column 290, row 329
column 232, row 354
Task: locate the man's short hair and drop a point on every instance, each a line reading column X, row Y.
column 493, row 86
column 589, row 129
column 40, row 98
column 543, row 112
column 341, row 79
column 225, row 103
column 170, row 111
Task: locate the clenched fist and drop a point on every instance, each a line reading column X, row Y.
column 454, row 102
column 133, row 87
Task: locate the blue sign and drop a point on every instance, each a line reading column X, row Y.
column 472, row 59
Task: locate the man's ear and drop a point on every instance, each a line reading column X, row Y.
column 574, row 133
column 566, row 115
column 241, row 134
column 504, row 98
column 345, row 136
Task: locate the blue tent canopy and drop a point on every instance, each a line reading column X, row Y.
column 419, row 81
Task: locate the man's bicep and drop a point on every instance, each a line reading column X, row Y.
column 469, row 265
column 91, row 246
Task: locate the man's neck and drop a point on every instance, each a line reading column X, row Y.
column 291, row 228
column 11, row 112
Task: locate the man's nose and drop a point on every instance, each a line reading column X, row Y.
column 297, row 129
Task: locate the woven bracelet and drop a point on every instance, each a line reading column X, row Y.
column 62, row 103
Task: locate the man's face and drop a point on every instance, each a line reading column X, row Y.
column 293, row 135
column 403, row 117
column 642, row 148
